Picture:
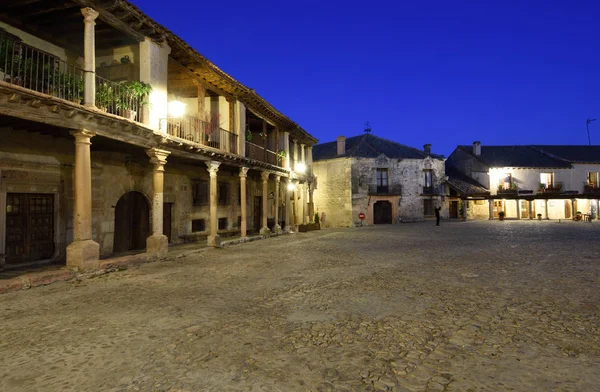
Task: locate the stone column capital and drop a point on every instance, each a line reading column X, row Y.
column 264, row 176
column 89, row 15
column 212, row 167
column 309, row 148
column 244, row 172
column 302, row 145
column 158, row 157
column 277, row 179
column 83, row 136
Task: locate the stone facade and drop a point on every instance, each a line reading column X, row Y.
column 347, row 186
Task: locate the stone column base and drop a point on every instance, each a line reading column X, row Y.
column 84, row 255
column 287, row 229
column 265, row 231
column 277, row 229
column 214, row 240
column 157, row 245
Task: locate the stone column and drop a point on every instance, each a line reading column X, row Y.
column 286, row 145
column 304, row 191
column 573, row 212
column 310, row 161
column 264, row 230
column 598, row 210
column 530, row 209
column 288, row 206
column 158, row 243
column 491, row 208
column 311, row 205
column 83, row 253
column 213, row 238
column 243, row 224
column 277, row 228
column 89, row 57
column 546, row 208
column 465, row 205
column 295, row 154
column 302, row 154
column 518, row 208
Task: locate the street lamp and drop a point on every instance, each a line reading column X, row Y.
column 587, row 125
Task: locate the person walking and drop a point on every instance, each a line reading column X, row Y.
column 437, row 215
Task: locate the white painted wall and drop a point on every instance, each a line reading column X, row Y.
column 153, row 62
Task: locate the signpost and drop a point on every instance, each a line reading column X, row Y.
column 361, row 216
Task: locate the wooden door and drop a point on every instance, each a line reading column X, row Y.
column 257, row 212
column 498, row 206
column 132, row 222
column 567, row 209
column 524, row 208
column 29, row 227
column 382, row 212
column 453, row 209
column 167, row 211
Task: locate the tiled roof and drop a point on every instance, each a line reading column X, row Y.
column 463, row 184
column 517, row 156
column 369, row 146
column 581, row 154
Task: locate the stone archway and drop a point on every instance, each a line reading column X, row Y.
column 132, row 222
column 382, row 212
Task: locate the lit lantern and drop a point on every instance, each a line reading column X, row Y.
column 177, row 108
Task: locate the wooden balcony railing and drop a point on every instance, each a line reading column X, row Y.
column 202, row 132
column 254, row 151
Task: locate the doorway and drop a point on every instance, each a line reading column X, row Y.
column 525, row 213
column 453, row 212
column 382, row 212
column 167, row 213
column 132, row 222
column 568, row 209
column 257, row 212
column 498, row 206
column 29, row 227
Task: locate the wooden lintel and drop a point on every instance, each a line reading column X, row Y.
column 36, row 103
column 71, row 113
column 55, row 108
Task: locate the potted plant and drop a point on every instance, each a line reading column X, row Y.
column 105, row 96
column 578, row 216
column 501, row 215
column 539, row 216
column 281, row 155
column 132, row 95
column 542, row 187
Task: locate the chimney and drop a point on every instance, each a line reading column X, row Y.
column 477, row 148
column 341, row 145
column 427, row 149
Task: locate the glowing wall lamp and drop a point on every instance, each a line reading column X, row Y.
column 300, row 167
column 291, row 185
column 177, row 108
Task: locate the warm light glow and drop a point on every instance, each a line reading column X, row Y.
column 300, row 167
column 291, row 186
column 176, row 108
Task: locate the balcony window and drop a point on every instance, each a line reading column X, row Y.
column 382, row 180
column 507, row 181
column 428, row 177
column 546, row 180
column 593, row 179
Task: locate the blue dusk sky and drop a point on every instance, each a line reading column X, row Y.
column 439, row 72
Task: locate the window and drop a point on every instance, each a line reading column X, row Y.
column 593, row 179
column 428, row 208
column 546, row 180
column 222, row 223
column 428, row 173
column 382, row 180
column 507, row 181
column 198, row 225
column 200, row 193
column 223, row 194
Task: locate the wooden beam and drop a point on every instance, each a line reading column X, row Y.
column 112, row 20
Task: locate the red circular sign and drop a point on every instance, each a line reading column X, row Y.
column 361, row 216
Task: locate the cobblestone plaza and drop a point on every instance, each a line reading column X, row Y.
column 481, row 306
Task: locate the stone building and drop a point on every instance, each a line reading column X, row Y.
column 386, row 181
column 524, row 182
column 116, row 136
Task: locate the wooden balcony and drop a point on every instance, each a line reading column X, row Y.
column 192, row 129
column 254, row 151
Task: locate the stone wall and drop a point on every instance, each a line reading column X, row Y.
column 333, row 195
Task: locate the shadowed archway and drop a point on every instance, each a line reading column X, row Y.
column 132, row 222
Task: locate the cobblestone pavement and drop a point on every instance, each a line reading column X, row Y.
column 476, row 306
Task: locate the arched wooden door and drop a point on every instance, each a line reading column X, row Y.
column 382, row 212
column 132, row 222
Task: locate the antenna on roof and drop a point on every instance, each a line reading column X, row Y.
column 587, row 125
column 367, row 127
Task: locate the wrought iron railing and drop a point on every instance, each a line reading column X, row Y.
column 202, row 132
column 118, row 98
column 394, row 189
column 33, row 69
column 591, row 188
